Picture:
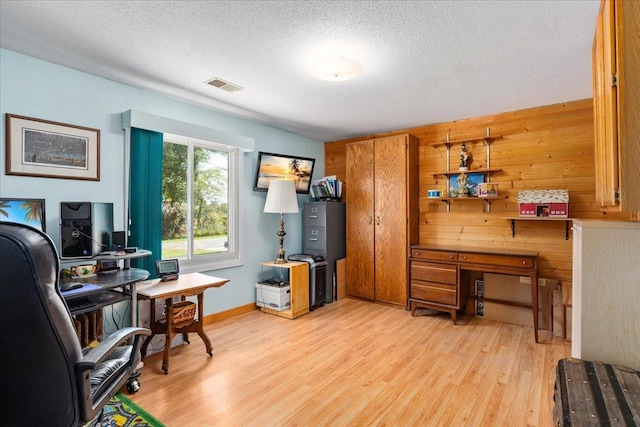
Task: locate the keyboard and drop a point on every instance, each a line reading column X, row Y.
column 81, row 304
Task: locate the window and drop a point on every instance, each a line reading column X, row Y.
column 200, row 203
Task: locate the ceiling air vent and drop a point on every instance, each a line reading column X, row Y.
column 224, row 85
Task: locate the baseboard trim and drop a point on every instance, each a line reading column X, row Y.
column 227, row 314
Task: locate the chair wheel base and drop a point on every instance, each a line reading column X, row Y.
column 133, row 385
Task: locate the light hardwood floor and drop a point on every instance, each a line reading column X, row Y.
column 356, row 363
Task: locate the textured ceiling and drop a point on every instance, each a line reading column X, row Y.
column 424, row 61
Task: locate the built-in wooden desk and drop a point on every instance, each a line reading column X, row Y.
column 434, row 276
column 193, row 284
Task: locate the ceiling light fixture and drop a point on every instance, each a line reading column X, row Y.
column 336, row 69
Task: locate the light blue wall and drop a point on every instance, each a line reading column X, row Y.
column 43, row 90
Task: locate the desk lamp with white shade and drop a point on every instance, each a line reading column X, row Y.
column 282, row 199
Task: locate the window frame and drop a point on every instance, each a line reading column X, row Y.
column 235, row 255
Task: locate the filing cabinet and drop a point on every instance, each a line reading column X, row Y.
column 324, row 233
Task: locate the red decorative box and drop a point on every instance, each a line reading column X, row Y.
column 544, row 203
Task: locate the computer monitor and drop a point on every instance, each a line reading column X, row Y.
column 23, row 211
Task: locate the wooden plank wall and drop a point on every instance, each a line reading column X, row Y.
column 549, row 147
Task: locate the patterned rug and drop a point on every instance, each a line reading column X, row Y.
column 122, row 412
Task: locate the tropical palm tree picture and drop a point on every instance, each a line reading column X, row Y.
column 278, row 166
column 23, row 211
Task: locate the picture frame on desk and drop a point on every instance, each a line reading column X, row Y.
column 47, row 149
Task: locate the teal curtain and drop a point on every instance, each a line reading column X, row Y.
column 145, row 197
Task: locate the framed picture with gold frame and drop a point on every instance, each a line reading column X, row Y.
column 42, row 148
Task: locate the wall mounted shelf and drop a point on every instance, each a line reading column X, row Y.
column 487, row 200
column 485, row 139
column 486, row 171
column 513, row 220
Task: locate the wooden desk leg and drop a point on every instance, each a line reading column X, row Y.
column 200, row 324
column 534, row 299
column 152, row 326
column 564, row 322
column 168, row 335
column 185, row 335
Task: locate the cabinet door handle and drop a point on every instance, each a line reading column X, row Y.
column 313, row 239
column 313, row 216
column 378, row 220
column 370, row 219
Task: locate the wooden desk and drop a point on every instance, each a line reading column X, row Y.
column 435, row 272
column 186, row 285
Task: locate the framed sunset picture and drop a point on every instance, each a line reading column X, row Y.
column 279, row 166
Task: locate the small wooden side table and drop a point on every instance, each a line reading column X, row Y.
column 299, row 282
column 186, row 285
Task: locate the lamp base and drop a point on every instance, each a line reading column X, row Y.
column 280, row 259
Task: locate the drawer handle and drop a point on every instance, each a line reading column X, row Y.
column 313, row 239
column 524, row 262
column 451, row 257
column 464, row 257
column 313, row 216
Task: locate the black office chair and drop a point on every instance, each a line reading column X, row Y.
column 45, row 378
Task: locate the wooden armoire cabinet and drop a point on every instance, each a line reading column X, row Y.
column 382, row 216
column 616, row 100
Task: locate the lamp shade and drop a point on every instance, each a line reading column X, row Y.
column 281, row 197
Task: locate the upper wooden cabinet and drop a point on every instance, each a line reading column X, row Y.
column 382, row 216
column 616, row 99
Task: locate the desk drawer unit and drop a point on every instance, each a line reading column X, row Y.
column 433, row 282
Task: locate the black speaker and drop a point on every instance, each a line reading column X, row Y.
column 118, row 241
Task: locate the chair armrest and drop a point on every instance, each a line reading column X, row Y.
column 105, row 347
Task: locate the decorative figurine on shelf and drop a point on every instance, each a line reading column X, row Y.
column 464, row 158
column 463, row 185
